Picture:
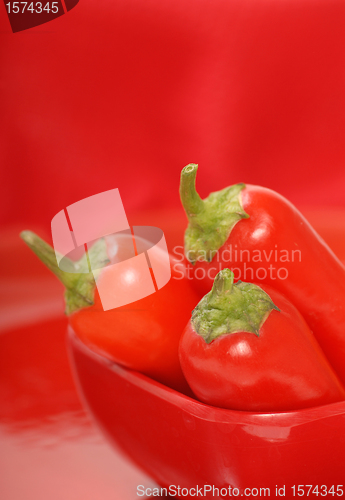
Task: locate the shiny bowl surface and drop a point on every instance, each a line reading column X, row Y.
column 180, row 441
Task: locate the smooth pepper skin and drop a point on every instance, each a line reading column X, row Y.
column 143, row 335
column 281, row 369
column 312, row 278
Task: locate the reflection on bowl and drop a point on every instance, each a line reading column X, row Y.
column 180, row 441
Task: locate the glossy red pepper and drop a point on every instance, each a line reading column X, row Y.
column 263, row 238
column 248, row 348
column 142, row 335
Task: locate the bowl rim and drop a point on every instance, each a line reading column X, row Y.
column 202, row 410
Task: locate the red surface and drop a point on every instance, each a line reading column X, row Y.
column 49, row 447
column 124, row 93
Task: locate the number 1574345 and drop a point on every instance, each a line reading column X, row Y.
column 33, row 7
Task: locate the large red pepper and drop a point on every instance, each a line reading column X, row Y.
column 248, row 348
column 263, row 238
column 142, row 335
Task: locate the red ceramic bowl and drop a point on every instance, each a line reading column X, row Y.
column 180, row 441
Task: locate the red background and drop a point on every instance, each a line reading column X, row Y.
column 125, row 93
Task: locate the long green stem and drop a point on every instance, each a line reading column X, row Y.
column 191, row 201
column 46, row 254
column 210, row 220
column 79, row 284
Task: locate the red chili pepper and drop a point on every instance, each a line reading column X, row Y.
column 248, row 348
column 264, row 238
column 142, row 335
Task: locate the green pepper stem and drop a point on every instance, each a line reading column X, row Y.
column 191, row 201
column 231, row 308
column 46, row 254
column 79, row 285
column 212, row 219
column 223, row 283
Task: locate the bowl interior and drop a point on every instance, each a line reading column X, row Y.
column 178, row 440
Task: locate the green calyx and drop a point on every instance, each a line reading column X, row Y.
column 79, row 284
column 210, row 220
column 230, row 308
